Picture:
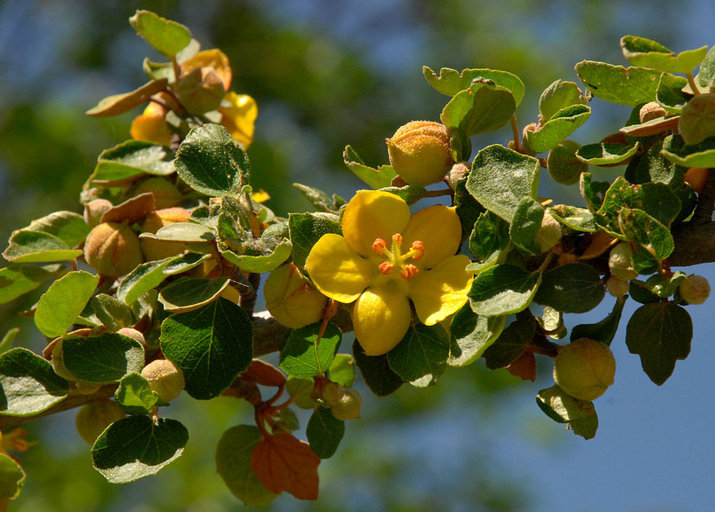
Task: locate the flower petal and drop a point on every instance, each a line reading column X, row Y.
column 372, row 214
column 439, row 292
column 336, row 270
column 239, row 116
column 381, row 317
column 438, row 227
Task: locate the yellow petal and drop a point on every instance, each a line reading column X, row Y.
column 151, row 126
column 239, row 116
column 439, row 292
column 213, row 58
column 336, row 270
column 381, row 317
column 438, row 227
column 372, row 214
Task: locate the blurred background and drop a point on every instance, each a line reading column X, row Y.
column 325, row 74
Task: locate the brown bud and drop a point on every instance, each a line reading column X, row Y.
column 651, row 111
column 93, row 418
column 112, row 249
column 165, row 193
column 420, row 152
column 94, row 210
column 160, row 249
column 165, row 378
column 132, row 333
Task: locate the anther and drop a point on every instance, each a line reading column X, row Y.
column 397, row 239
column 385, row 267
column 417, row 249
column 379, row 245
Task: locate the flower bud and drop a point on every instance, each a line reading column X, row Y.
column 165, row 193
column 112, row 249
column 549, row 234
column 420, row 152
column 291, row 299
column 584, row 369
column 651, row 111
column 617, row 287
column 151, row 125
column 332, row 393
column 132, row 333
column 93, row 418
column 694, row 289
column 349, row 406
column 164, row 378
column 94, row 210
column 620, row 262
column 160, row 249
column 201, row 90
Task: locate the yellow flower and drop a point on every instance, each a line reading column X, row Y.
column 238, row 116
column 386, row 260
column 151, row 125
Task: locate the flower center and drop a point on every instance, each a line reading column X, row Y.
column 394, row 257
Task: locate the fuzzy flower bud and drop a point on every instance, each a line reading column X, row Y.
column 349, row 406
column 112, row 249
column 164, row 378
column 291, row 299
column 584, row 369
column 420, row 152
column 94, row 417
column 620, row 262
column 694, row 289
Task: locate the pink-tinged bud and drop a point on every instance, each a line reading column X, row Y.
column 420, row 152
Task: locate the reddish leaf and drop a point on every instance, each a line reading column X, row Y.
column 283, row 463
column 264, row 373
column 524, row 366
column 131, row 210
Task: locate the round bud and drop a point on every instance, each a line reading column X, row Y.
column 620, row 262
column 291, row 299
column 348, row 407
column 617, row 287
column 651, row 111
column 132, row 333
column 549, row 234
column 93, row 418
column 563, row 165
column 94, row 210
column 160, row 249
column 165, row 193
column 584, row 368
column 694, row 289
column 420, row 152
column 112, row 249
column 332, row 393
column 164, row 378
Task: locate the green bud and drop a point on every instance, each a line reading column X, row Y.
column 584, row 369
column 694, row 289
column 349, row 406
column 93, row 418
column 620, row 262
column 420, row 152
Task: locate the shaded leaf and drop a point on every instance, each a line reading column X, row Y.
column 471, row 335
column 306, row 356
column 12, row 477
column 28, row 384
column 283, row 463
column 571, row 288
column 169, row 37
column 99, row 359
column 324, row 432
column 376, row 372
column 421, row 357
column 510, row 344
column 502, row 290
column 603, row 331
column 121, row 103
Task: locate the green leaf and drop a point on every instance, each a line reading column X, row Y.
column 562, row 408
column 526, row 225
column 644, row 52
column 602, row 153
column 211, row 346
column 319, row 199
column 12, row 477
column 593, row 192
column 376, row 372
column 17, row 280
column 483, row 107
column 471, row 335
column 697, row 120
column 69, row 227
column 510, row 344
column 450, row 82
column 706, row 77
column 28, row 384
column 189, row 232
column 301, row 390
column 121, row 103
column 665, row 285
column 421, row 357
column 233, row 463
column 632, row 86
column 150, row 274
column 647, row 232
column 38, row 247
column 490, row 234
column 653, row 166
column 263, row 263
column 210, row 161
column 112, row 312
column 324, row 432
column 502, row 290
column 603, row 331
column 557, row 96
column 186, row 294
column 375, row 178
column 63, row 301
column 562, row 124
column 501, row 178
column 137, row 446
column 342, row 370
column 670, row 95
column 571, row 288
column 8, row 339
column 660, row 334
column 640, row 292
column 169, row 37
column 305, row 355
column 695, row 155
column 135, row 396
column 578, row 219
column 306, row 229
column 130, row 160
column 99, row 359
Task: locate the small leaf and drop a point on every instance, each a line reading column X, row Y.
column 490, row 234
column 12, row 477
column 571, row 288
column 324, row 432
column 557, row 96
column 305, row 355
column 8, row 339
column 69, row 227
column 233, row 463
column 602, row 153
column 645, row 52
column 526, row 224
column 63, row 301
column 301, row 390
column 137, row 446
column 28, row 384
column 471, row 335
column 647, row 232
column 17, row 280
column 150, row 274
column 376, row 372
column 562, row 408
column 283, row 463
column 28, row 246
column 502, row 290
column 706, row 76
column 632, row 86
column 211, row 346
column 121, row 103
column 262, row 263
column 306, row 229
column 100, row 359
column 319, row 199
column 697, row 121
column 511, row 344
column 186, row 294
column 342, row 370
column 450, row 81
column 695, row 155
column 501, row 178
column 169, row 37
column 483, row 107
column 210, row 161
column 603, row 331
column 112, row 312
column 130, row 160
column 421, row 357
column 562, row 124
column 135, row 396
column 578, row 219
column 375, row 178
column 660, row 333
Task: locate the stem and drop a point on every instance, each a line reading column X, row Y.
column 515, row 130
column 691, row 81
column 438, row 193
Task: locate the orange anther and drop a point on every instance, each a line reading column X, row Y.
column 385, row 267
column 418, row 249
column 397, row 239
column 379, row 245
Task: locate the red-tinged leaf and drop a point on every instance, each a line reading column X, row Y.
column 131, row 210
column 264, row 373
column 283, row 463
column 524, row 366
